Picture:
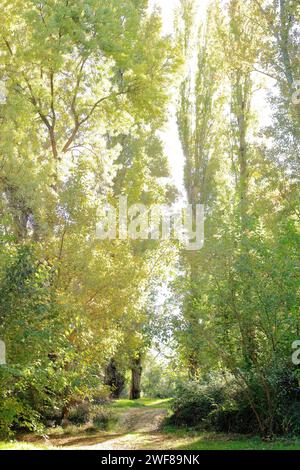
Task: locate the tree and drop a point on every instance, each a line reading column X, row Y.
column 87, row 90
column 230, row 311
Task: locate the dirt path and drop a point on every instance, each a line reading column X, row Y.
column 142, row 420
column 139, row 428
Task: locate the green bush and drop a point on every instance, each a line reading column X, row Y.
column 102, row 417
column 15, row 414
column 45, row 371
column 101, row 395
column 232, row 419
column 265, row 402
column 79, row 414
column 195, row 401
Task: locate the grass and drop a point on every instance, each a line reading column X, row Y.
column 20, row 446
column 240, row 444
column 190, row 440
column 142, row 402
column 170, row 437
column 216, row 441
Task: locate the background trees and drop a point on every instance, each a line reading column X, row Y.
column 87, row 87
column 237, row 318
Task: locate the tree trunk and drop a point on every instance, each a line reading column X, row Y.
column 136, row 375
column 241, row 94
column 115, row 379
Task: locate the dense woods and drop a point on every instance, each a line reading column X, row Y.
column 240, row 295
column 86, row 91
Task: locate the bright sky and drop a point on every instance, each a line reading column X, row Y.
column 167, row 8
column 170, row 135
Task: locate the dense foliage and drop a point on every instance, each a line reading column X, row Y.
column 240, row 294
column 84, row 98
column 85, row 91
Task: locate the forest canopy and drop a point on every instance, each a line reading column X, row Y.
column 87, row 90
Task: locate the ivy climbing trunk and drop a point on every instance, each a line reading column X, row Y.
column 115, row 379
column 136, row 375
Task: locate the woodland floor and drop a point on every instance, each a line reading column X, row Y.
column 139, row 427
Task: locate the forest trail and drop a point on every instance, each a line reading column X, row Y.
column 139, row 428
column 141, row 420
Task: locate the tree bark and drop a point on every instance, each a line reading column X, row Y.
column 115, row 379
column 136, row 375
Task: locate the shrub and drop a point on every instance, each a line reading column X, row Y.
column 265, row 402
column 194, row 402
column 45, row 370
column 101, row 396
column 233, row 419
column 102, row 417
column 79, row 414
column 15, row 414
